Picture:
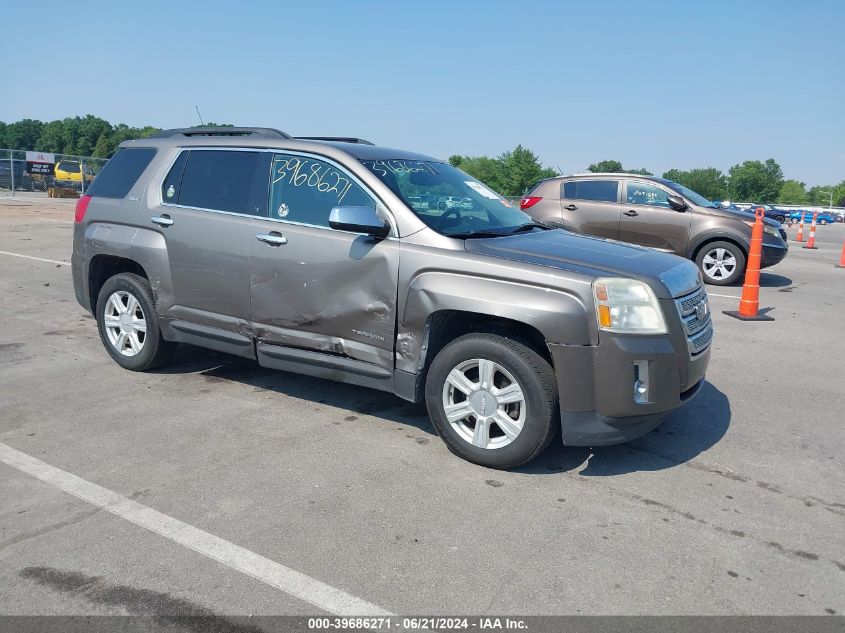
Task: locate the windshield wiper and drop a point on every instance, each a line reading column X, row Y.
column 501, row 232
column 470, row 234
column 528, row 226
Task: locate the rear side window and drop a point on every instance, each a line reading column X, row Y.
column 170, row 186
column 598, row 190
column 222, row 180
column 120, row 173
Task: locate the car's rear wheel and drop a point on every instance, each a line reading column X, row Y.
column 822, row 221
column 493, row 400
column 128, row 323
column 780, row 218
column 721, row 263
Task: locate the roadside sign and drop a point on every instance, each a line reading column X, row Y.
column 40, row 157
column 40, row 163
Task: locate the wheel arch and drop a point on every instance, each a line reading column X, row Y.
column 709, row 239
column 438, row 299
column 104, row 266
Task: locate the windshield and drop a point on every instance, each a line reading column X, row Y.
column 448, row 200
column 693, row 197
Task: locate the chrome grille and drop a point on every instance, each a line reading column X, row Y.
column 698, row 327
column 687, row 304
column 698, row 344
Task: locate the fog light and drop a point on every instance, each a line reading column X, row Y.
column 641, row 382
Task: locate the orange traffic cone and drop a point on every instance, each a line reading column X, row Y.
column 841, row 263
column 749, row 303
column 800, row 236
column 811, row 243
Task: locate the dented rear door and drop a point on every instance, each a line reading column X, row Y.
column 314, row 288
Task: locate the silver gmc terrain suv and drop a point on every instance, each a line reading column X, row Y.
column 307, row 255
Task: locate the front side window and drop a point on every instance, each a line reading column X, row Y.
column 223, row 180
column 448, row 200
column 651, row 195
column 595, row 190
column 305, row 190
column 691, row 195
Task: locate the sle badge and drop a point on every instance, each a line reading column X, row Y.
column 283, row 210
column 170, row 191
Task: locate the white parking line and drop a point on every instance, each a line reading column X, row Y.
column 38, row 259
column 713, row 294
column 274, row 574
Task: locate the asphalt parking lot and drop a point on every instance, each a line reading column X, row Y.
column 736, row 505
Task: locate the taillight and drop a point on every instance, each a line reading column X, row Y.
column 529, row 201
column 81, row 208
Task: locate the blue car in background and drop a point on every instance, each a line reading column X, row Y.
column 775, row 214
column 822, row 218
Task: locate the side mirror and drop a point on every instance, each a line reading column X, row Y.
column 676, row 202
column 359, row 220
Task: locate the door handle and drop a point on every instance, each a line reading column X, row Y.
column 273, row 239
column 161, row 220
column 570, row 207
column 631, row 213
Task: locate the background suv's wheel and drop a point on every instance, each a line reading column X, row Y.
column 493, row 400
column 780, row 219
column 128, row 323
column 721, row 263
column 823, row 221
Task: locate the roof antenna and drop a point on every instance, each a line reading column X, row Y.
column 199, row 115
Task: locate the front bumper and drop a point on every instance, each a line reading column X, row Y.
column 596, row 384
column 772, row 254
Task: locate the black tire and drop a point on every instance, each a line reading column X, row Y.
column 155, row 351
column 536, row 378
column 822, row 221
column 780, row 219
column 738, row 270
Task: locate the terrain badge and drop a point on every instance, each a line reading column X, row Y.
column 283, row 210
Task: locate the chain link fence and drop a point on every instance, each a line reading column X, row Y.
column 20, row 175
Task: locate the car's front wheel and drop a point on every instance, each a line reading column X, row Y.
column 721, row 263
column 822, row 221
column 493, row 400
column 128, row 323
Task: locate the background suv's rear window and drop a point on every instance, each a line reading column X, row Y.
column 71, row 168
column 600, row 190
column 121, row 172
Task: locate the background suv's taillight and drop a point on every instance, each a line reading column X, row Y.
column 529, row 201
column 81, row 208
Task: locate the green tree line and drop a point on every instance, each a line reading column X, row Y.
column 511, row 173
column 80, row 136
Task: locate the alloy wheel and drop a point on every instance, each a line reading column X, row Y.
column 484, row 403
column 125, row 324
column 719, row 263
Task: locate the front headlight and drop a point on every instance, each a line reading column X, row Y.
column 627, row 306
column 771, row 230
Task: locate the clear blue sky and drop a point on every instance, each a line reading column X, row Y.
column 653, row 84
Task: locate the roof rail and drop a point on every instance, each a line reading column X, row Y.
column 339, row 139
column 221, row 131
